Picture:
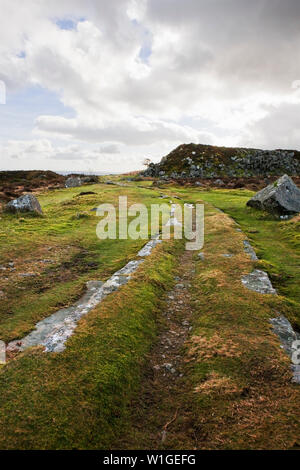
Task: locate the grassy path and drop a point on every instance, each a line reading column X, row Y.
column 135, row 375
column 236, row 390
column 162, row 419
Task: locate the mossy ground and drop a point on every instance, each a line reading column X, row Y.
column 277, row 243
column 240, row 380
column 61, row 250
column 237, row 391
column 237, row 379
column 78, row 398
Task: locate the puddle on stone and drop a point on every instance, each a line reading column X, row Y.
column 288, row 337
column 258, row 281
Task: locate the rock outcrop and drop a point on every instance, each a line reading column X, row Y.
column 73, row 182
column 211, row 162
column 279, row 198
column 25, row 203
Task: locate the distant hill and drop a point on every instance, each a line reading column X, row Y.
column 15, row 183
column 207, row 161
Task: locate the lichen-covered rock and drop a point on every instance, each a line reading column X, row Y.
column 258, row 281
column 25, row 203
column 289, row 339
column 279, row 198
column 250, row 250
column 73, row 182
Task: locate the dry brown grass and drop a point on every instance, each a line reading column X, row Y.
column 203, row 348
column 216, row 383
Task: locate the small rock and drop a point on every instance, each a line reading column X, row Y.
column 169, row 367
column 73, row 182
column 25, row 203
column 250, row 250
column 201, row 256
column 258, row 281
column 27, row 274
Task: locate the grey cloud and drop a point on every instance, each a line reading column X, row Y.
column 109, row 148
column 279, row 129
column 129, row 132
column 215, row 66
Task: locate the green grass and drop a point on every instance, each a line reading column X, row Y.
column 240, row 392
column 66, row 236
column 277, row 243
column 79, row 398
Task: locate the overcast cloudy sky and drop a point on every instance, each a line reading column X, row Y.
column 102, row 84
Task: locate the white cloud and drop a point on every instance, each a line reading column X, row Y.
column 135, row 72
column 132, row 131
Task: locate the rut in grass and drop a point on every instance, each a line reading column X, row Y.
column 161, row 418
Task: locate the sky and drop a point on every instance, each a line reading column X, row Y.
column 98, row 85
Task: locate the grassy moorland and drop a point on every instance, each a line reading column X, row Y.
column 76, row 399
column 242, row 395
column 277, row 243
column 54, row 255
column 235, row 392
